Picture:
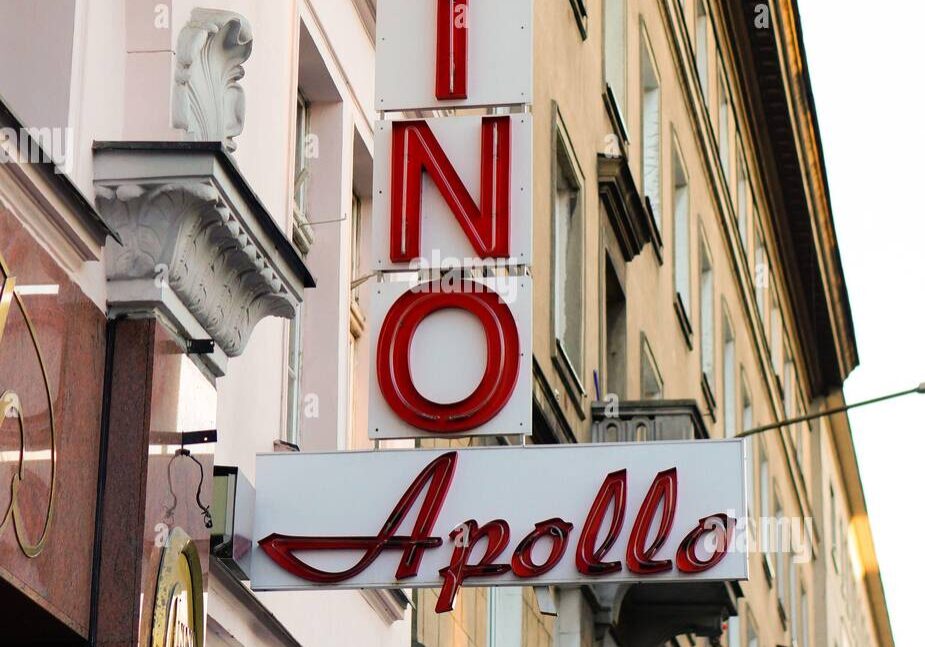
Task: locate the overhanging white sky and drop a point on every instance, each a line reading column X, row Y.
column 866, row 65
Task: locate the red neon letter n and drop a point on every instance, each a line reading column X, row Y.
column 415, row 150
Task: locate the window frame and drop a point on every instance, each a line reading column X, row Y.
column 765, row 491
column 613, row 333
column 702, row 48
column 357, row 324
column 295, row 354
column 504, row 616
column 777, row 338
column 681, row 247
column 743, row 192
column 730, row 404
column 761, row 273
column 723, row 115
column 647, row 356
column 571, row 369
column 302, row 234
column 615, row 97
column 707, row 313
column 647, row 57
column 780, row 559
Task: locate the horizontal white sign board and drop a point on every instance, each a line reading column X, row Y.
column 490, row 54
column 453, row 191
column 517, row 516
column 470, row 361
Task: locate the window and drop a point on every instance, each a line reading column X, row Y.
column 702, row 31
column 615, row 49
column 357, row 431
column 752, row 639
column 651, row 378
column 747, row 421
column 733, row 632
column 651, row 135
column 723, row 118
column 833, row 527
column 614, row 332
column 301, row 230
column 505, row 613
column 777, row 325
column 356, row 247
column 682, row 260
column 788, row 378
column 780, row 555
column 762, row 271
column 568, row 261
column 301, row 238
column 764, row 491
column 293, row 382
column 742, row 195
column 706, row 314
column 729, row 377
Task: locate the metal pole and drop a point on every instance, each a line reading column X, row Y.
column 828, row 412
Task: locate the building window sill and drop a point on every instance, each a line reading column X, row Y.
column 581, row 17
column 684, row 321
column 389, row 604
column 708, row 396
column 656, row 235
column 616, row 116
column 768, row 569
column 781, row 613
column 570, row 378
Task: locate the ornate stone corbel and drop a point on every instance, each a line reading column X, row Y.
column 208, row 101
column 198, row 247
column 184, row 235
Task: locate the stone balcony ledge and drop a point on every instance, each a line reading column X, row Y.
column 647, row 420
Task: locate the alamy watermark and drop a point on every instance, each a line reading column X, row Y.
column 467, row 275
column 38, row 146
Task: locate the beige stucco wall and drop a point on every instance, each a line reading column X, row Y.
column 569, row 79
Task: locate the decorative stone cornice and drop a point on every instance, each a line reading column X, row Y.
column 623, row 204
column 198, row 248
column 208, row 101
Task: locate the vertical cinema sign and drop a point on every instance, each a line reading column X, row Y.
column 453, row 194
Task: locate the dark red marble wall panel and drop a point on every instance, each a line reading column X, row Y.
column 51, row 386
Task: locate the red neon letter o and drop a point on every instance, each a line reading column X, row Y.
column 393, row 360
column 522, row 563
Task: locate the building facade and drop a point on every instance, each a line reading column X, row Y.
column 186, row 174
column 691, row 262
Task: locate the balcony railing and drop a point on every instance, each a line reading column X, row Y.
column 646, row 420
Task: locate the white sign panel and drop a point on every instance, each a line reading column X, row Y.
column 453, row 53
column 464, row 368
column 535, row 515
column 454, row 190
